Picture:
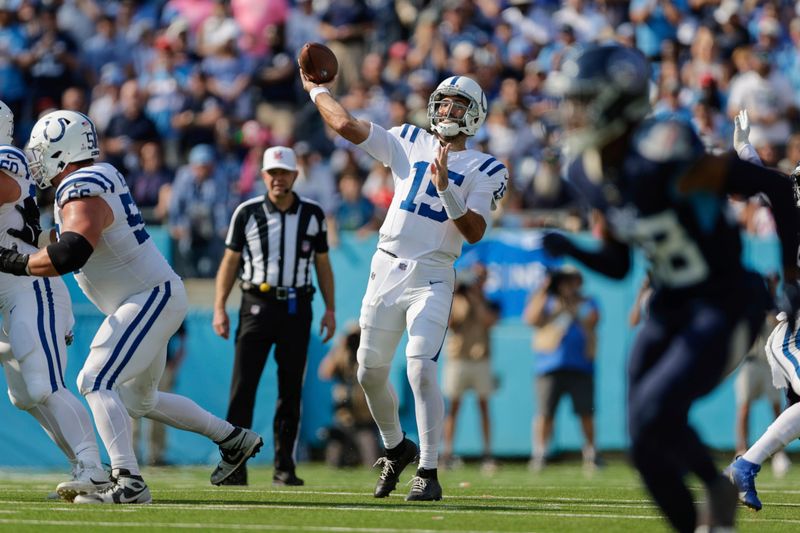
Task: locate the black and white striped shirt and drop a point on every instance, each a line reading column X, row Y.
column 278, row 247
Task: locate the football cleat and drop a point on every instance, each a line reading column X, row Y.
column 237, row 479
column 392, row 466
column 286, row 479
column 719, row 513
column 424, row 490
column 86, row 479
column 743, row 474
column 236, row 449
column 126, row 489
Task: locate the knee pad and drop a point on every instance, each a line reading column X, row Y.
column 35, row 392
column 372, row 378
column 376, row 347
column 421, row 373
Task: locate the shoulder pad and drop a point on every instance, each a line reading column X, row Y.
column 663, row 141
column 13, row 162
column 82, row 184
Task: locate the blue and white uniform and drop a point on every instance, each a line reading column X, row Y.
column 37, row 312
column 129, row 280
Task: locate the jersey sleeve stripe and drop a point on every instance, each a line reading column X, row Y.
column 65, row 186
column 486, row 164
column 81, row 173
column 496, row 169
column 17, row 153
column 404, row 131
column 414, row 135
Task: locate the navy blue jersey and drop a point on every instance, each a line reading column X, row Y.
column 692, row 240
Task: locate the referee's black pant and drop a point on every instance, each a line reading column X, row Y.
column 264, row 322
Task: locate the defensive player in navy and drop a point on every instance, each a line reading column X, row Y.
column 37, row 318
column 102, row 238
column 659, row 190
column 444, row 194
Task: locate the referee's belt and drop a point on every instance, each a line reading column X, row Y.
column 277, row 293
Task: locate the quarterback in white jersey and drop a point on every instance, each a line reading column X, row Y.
column 101, row 237
column 443, row 195
column 37, row 318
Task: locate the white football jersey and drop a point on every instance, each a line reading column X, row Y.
column 125, row 261
column 416, row 225
column 14, row 164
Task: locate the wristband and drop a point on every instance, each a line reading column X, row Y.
column 316, row 91
column 453, row 204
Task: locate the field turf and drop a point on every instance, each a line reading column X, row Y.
column 561, row 498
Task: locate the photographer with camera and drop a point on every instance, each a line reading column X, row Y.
column 564, row 344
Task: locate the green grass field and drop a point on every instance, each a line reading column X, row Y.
column 560, row 498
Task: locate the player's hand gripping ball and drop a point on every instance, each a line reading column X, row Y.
column 318, row 62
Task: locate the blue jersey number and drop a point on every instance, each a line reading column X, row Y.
column 11, row 166
column 134, row 218
column 425, row 210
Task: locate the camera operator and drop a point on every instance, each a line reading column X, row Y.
column 564, row 345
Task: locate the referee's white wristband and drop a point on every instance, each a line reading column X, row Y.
column 454, row 205
column 316, row 91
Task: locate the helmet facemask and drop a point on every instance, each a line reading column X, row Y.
column 452, row 122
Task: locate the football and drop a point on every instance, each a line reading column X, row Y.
column 318, row 62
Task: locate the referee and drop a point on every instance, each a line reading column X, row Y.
column 275, row 239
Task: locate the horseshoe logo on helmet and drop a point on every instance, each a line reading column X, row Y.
column 62, row 122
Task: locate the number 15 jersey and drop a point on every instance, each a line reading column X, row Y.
column 125, row 261
column 416, row 225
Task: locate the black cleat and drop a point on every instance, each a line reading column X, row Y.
column 424, row 490
column 237, row 478
column 393, row 465
column 282, row 478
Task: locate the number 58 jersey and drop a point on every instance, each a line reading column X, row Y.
column 125, row 261
column 416, row 225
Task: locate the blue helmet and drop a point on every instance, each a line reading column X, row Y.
column 605, row 89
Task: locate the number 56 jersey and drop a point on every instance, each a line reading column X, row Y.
column 416, row 225
column 125, row 261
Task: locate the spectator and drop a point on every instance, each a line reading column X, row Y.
column 468, row 352
column 151, row 185
column 228, row 73
column 345, row 26
column 128, row 129
column 564, row 346
column 355, row 212
column 353, row 438
column 200, row 114
column 198, row 214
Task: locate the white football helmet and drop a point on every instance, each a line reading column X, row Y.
column 6, row 124
column 473, row 118
column 57, row 139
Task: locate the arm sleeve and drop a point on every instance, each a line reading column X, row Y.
column 749, row 154
column 487, row 192
column 387, row 149
column 748, row 179
column 235, row 239
column 321, row 241
column 612, row 259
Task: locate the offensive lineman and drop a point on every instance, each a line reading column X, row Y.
column 37, row 317
column 444, row 193
column 103, row 240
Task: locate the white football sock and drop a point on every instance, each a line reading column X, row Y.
column 182, row 413
column 781, row 432
column 382, row 402
column 49, row 425
column 114, row 427
column 75, row 425
column 429, row 407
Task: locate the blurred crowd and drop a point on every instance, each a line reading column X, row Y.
column 187, row 94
